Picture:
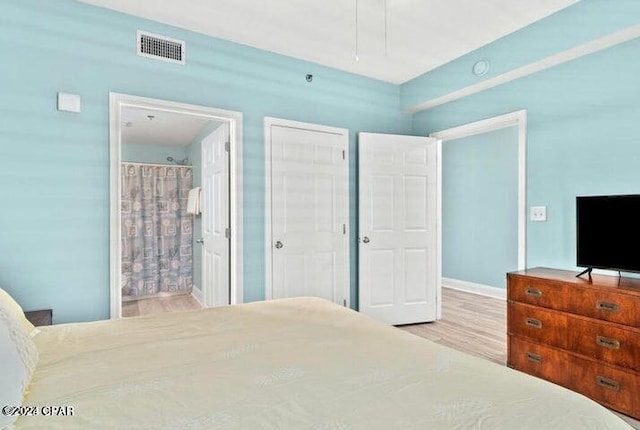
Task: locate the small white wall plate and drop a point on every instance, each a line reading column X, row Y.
column 69, row 102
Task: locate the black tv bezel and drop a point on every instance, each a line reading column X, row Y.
column 601, row 197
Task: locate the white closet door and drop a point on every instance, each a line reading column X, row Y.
column 309, row 212
column 215, row 217
column 397, row 237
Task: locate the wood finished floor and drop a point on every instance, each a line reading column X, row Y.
column 476, row 325
column 470, row 323
column 159, row 305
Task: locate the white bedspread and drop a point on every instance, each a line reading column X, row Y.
column 285, row 364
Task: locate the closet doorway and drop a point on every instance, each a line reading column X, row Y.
column 176, row 212
column 307, row 210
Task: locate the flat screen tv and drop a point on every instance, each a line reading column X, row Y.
column 608, row 232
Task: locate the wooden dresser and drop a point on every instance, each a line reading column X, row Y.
column 580, row 333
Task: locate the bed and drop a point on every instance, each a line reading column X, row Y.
column 302, row 363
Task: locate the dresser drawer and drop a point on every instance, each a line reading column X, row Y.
column 539, row 292
column 538, row 360
column 607, row 306
column 615, row 388
column 537, row 324
column 607, row 342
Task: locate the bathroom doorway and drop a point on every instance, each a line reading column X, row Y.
column 174, row 168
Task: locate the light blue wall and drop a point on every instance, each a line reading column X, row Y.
column 54, row 241
column 582, row 136
column 570, row 27
column 480, row 207
column 145, row 153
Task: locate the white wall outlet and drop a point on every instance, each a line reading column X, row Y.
column 69, row 102
column 538, row 213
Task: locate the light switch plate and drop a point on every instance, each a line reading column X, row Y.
column 69, row 102
column 538, row 213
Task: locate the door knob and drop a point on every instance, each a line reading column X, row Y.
column 200, row 241
column 365, row 239
column 279, row 245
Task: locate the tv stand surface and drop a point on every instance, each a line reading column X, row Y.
column 580, row 333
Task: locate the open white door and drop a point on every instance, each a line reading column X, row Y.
column 308, row 211
column 397, row 237
column 215, row 217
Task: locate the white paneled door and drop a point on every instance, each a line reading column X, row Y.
column 308, row 207
column 215, row 217
column 397, row 222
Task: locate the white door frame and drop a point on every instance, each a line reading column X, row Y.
column 268, row 250
column 513, row 119
column 116, row 103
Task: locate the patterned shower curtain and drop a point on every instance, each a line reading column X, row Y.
column 157, row 237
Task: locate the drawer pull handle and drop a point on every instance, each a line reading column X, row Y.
column 608, row 383
column 607, row 306
column 532, row 322
column 607, row 342
column 533, row 292
column 534, row 357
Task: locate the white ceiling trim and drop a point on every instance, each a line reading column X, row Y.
column 588, row 48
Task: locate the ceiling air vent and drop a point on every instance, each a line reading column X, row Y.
column 160, row 47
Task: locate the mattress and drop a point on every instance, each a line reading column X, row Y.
column 302, row 363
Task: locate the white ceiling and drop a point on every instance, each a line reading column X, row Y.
column 421, row 34
column 165, row 129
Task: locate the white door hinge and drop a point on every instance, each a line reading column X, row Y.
column 227, row 233
column 344, row 302
column 344, row 155
column 227, row 146
column 344, row 229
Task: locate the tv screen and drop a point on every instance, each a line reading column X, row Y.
column 608, row 232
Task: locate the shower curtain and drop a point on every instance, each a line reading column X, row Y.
column 157, row 237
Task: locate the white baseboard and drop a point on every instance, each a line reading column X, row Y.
column 196, row 293
column 471, row 287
